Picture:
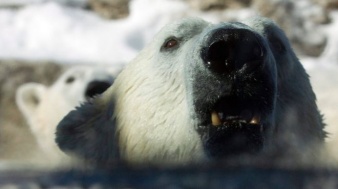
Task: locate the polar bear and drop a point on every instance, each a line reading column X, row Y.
column 43, row 107
column 16, row 140
column 201, row 92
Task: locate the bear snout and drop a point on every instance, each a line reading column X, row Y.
column 234, row 109
column 230, row 50
column 95, row 88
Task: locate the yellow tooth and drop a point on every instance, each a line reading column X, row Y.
column 215, row 120
column 256, row 120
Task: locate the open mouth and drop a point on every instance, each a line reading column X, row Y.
column 234, row 128
column 222, row 119
column 233, row 109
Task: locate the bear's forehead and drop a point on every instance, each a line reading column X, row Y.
column 262, row 25
column 187, row 27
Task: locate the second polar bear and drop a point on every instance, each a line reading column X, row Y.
column 43, row 107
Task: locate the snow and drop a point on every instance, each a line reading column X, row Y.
column 18, row 3
column 54, row 32
column 50, row 30
column 323, row 73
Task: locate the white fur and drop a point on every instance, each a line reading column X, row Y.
column 153, row 117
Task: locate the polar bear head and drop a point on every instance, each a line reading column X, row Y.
column 200, row 91
column 43, row 107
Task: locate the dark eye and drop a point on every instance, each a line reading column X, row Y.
column 70, row 80
column 170, row 43
column 277, row 44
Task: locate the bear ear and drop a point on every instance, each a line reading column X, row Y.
column 28, row 98
column 89, row 133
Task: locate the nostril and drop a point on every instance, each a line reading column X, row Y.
column 96, row 87
column 230, row 49
column 221, row 56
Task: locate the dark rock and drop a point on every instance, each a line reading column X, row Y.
column 207, row 5
column 110, row 9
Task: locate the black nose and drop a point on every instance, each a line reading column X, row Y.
column 96, row 87
column 229, row 50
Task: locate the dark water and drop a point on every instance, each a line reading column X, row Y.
column 188, row 177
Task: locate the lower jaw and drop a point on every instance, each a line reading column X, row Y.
column 233, row 140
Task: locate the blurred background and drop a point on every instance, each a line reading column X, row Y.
column 40, row 39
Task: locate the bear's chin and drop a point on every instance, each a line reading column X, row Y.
column 232, row 139
column 234, row 126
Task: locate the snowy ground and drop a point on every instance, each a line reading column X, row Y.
column 323, row 73
column 51, row 31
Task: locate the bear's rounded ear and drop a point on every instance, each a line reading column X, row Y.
column 28, row 98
